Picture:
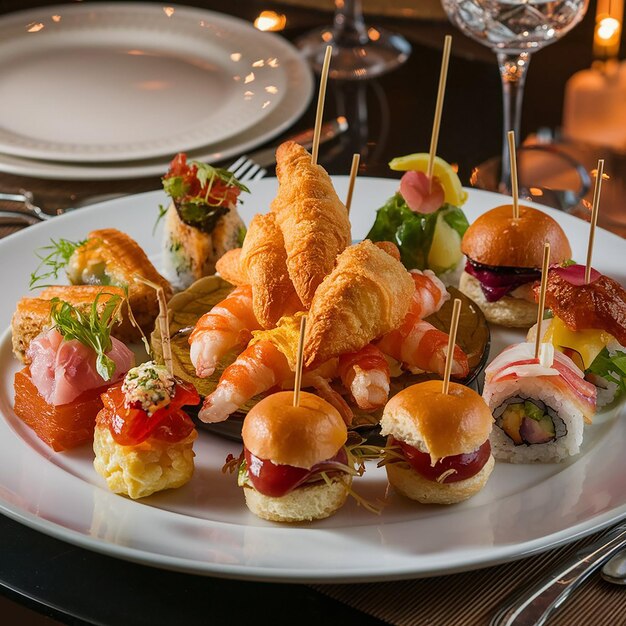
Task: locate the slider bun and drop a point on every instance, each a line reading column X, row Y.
column 410, row 484
column 299, row 436
column 497, row 239
column 440, row 425
column 315, row 501
column 507, row 311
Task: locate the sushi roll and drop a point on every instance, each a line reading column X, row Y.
column 589, row 325
column 201, row 222
column 539, row 405
column 143, row 441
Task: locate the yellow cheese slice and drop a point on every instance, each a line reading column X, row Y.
column 588, row 343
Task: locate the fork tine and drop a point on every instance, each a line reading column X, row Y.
column 254, row 168
column 233, row 166
column 260, row 174
column 243, row 170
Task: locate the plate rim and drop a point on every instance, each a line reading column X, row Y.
column 503, row 554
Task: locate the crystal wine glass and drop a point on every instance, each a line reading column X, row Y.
column 359, row 51
column 514, row 29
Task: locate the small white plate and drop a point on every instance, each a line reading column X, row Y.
column 205, row 526
column 116, row 82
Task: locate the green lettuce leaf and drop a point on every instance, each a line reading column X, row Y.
column 612, row 368
column 413, row 232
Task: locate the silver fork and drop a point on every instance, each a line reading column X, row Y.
column 245, row 169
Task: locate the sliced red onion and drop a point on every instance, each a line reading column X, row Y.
column 497, row 284
column 575, row 274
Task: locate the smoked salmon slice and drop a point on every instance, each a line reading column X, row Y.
column 63, row 426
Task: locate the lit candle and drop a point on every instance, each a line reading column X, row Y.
column 608, row 30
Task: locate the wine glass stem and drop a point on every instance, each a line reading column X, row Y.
column 349, row 28
column 513, row 69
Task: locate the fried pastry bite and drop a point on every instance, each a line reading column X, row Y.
column 143, row 440
column 111, row 257
column 365, row 296
column 313, row 220
column 228, row 266
column 264, row 261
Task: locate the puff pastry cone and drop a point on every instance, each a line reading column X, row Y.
column 313, row 221
column 264, row 261
column 365, row 296
column 228, row 266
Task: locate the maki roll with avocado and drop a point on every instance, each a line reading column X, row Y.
column 539, row 405
column 201, row 222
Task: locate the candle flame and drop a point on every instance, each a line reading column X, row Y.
column 270, row 20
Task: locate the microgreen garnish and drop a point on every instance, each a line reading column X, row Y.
column 51, row 264
column 207, row 174
column 92, row 330
column 160, row 216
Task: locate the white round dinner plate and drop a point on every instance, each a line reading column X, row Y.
column 287, row 111
column 205, row 527
column 121, row 81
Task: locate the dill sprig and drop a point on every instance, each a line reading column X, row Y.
column 92, row 330
column 52, row 263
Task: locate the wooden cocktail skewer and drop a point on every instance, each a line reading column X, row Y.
column 514, row 184
column 320, row 105
column 542, row 295
column 299, row 358
column 434, row 138
column 356, row 158
column 163, row 323
column 164, row 327
column 454, row 324
column 594, row 218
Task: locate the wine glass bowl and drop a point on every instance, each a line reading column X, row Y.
column 514, row 29
column 515, row 26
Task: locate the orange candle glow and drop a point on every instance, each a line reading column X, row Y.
column 608, row 30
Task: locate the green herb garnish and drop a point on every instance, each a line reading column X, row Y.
column 611, row 367
column 59, row 256
column 92, row 330
column 204, row 210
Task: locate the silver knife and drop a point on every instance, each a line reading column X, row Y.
column 267, row 156
column 534, row 605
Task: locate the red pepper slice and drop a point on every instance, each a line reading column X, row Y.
column 132, row 426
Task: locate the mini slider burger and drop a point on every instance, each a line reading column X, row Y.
column 438, row 449
column 295, row 465
column 504, row 257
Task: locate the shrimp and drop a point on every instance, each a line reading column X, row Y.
column 430, row 293
column 419, row 344
column 227, row 325
column 366, row 374
column 259, row 368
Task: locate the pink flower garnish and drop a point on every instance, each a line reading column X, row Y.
column 414, row 187
column 575, row 274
